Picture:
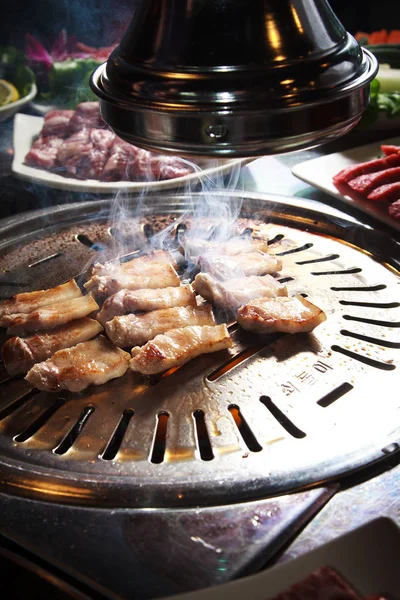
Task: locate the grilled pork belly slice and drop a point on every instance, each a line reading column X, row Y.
column 51, row 316
column 138, row 265
column 27, row 302
column 20, row 354
column 196, row 247
column 232, row 293
column 137, row 329
column 89, row 363
column 292, row 314
column 127, row 301
column 138, row 273
column 241, row 265
column 157, row 276
column 177, row 346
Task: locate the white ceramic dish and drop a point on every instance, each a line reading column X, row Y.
column 366, row 557
column 7, row 111
column 27, row 127
column 318, row 172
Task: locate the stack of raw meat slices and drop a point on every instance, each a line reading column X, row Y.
column 78, row 143
column 376, row 180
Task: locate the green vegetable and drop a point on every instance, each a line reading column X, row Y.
column 385, row 97
column 69, row 81
column 13, row 68
column 389, row 79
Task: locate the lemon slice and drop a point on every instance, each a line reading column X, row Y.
column 8, row 92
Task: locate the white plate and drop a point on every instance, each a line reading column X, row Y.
column 7, row 111
column 368, row 558
column 27, row 127
column 319, row 172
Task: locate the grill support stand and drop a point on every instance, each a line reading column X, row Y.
column 148, row 553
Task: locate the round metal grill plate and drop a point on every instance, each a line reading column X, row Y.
column 272, row 415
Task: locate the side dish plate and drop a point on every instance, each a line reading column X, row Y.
column 319, row 172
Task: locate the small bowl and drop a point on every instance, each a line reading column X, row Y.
column 8, row 110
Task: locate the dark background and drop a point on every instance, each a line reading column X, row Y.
column 102, row 22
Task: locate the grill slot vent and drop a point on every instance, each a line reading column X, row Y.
column 318, row 260
column 335, row 395
column 8, row 410
column 117, row 235
column 275, row 239
column 40, row 421
column 160, row 438
column 75, row 431
column 371, row 340
column 233, row 362
column 361, row 288
column 46, row 259
column 353, row 271
column 364, row 359
column 116, row 440
column 295, row 250
column 202, row 437
column 282, row 419
column 370, row 304
column 371, row 321
column 209, row 429
column 148, row 231
column 248, row 436
column 86, row 241
column 129, row 256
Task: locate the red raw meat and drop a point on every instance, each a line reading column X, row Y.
column 56, row 122
column 43, row 153
column 388, row 192
column 74, row 150
column 389, row 149
column 371, row 166
column 148, row 166
column 80, row 144
column 323, row 584
column 93, row 163
column 364, row 184
column 168, row 167
column 140, row 168
column 394, row 210
column 87, row 114
column 121, row 156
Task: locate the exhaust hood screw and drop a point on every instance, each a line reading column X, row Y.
column 216, row 131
